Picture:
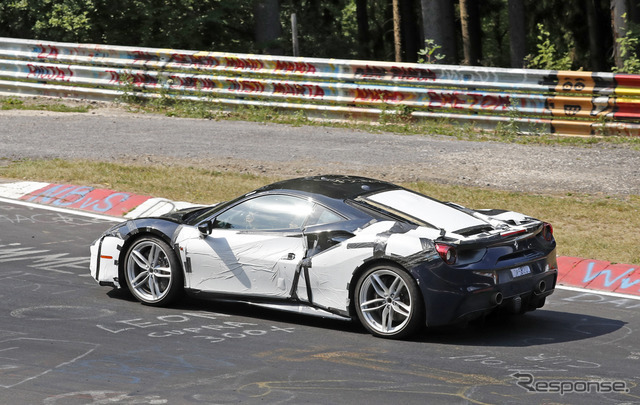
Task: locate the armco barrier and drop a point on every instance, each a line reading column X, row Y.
column 542, row 101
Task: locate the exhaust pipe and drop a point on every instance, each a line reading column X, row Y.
column 496, row 299
column 541, row 287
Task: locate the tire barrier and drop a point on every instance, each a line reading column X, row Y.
column 532, row 101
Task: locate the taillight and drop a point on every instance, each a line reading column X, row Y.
column 447, row 253
column 547, row 232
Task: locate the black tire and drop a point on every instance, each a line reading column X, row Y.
column 388, row 302
column 152, row 272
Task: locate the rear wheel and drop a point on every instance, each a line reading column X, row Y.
column 152, row 271
column 388, row 302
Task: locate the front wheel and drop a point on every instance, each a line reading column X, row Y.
column 388, row 302
column 152, row 271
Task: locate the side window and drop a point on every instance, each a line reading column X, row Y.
column 266, row 213
column 322, row 215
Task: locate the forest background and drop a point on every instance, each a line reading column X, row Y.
column 593, row 35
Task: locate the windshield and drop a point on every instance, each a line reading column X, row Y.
column 424, row 209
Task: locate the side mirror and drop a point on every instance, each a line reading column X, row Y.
column 206, row 227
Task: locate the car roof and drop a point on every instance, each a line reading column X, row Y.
column 333, row 191
column 332, row 186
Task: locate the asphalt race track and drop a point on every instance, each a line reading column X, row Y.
column 66, row 340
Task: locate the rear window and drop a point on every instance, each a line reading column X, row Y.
column 423, row 209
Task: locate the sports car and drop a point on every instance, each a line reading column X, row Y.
column 352, row 247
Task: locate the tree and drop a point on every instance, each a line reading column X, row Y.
column 63, row 20
column 438, row 23
column 595, row 42
column 266, row 14
column 492, row 32
column 471, row 32
column 517, row 33
column 397, row 35
column 619, row 24
column 362, row 19
column 410, row 30
column 494, row 20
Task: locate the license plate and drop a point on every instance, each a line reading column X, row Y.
column 520, row 271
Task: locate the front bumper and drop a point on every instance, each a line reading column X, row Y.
column 105, row 255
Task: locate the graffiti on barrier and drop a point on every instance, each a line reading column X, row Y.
column 143, row 79
column 578, row 82
column 395, row 72
column 191, row 82
column 295, row 67
column 377, row 95
column 461, row 100
column 405, row 73
column 245, row 86
column 144, row 56
column 370, row 71
column 115, row 76
column 467, row 75
column 451, row 100
column 46, row 51
column 203, row 59
column 244, row 63
column 576, row 85
column 310, row 90
column 579, row 106
column 537, row 93
column 138, row 79
column 49, row 72
column 489, row 101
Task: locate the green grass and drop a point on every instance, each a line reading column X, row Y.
column 175, row 182
column 594, row 227
column 28, row 104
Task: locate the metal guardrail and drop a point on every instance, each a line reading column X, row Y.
column 541, row 101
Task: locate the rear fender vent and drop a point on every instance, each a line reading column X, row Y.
column 474, row 230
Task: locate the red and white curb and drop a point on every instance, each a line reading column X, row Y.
column 96, row 200
column 600, row 276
